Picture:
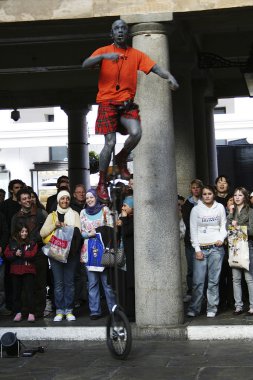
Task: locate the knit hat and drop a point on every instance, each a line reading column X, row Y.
column 62, row 193
column 129, row 201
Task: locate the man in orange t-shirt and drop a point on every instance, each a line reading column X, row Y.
column 117, row 112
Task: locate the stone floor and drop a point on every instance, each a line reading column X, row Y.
column 154, row 360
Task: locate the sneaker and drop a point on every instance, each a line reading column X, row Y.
column 191, row 314
column 17, row 317
column 211, row 314
column 31, row 318
column 58, row 318
column 70, row 317
column 237, row 311
column 187, row 298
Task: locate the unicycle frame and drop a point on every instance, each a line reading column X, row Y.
column 117, row 311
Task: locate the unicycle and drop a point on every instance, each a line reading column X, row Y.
column 118, row 329
column 118, row 334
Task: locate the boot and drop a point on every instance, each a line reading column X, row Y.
column 121, row 162
column 102, row 191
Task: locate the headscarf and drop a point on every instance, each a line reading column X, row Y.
column 129, row 201
column 97, row 207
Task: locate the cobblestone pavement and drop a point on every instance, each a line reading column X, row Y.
column 172, row 360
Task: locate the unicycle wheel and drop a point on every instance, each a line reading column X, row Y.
column 118, row 335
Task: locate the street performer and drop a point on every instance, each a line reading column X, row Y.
column 117, row 111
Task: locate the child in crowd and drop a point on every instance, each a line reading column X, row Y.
column 21, row 251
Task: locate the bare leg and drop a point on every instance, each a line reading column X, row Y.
column 106, row 152
column 134, row 129
column 104, row 161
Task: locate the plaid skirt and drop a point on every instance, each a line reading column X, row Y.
column 108, row 118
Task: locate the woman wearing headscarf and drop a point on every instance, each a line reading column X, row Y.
column 94, row 216
column 64, row 273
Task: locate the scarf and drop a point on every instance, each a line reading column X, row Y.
column 69, row 215
column 97, row 207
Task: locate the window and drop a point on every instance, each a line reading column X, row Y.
column 58, row 153
column 49, row 118
column 220, row 110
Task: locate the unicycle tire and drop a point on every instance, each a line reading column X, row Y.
column 118, row 335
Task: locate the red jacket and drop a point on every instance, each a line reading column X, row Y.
column 21, row 264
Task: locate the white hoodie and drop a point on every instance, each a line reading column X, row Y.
column 207, row 224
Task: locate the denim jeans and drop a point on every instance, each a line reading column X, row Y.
column 237, row 277
column 64, row 287
column 94, row 292
column 189, row 254
column 210, row 266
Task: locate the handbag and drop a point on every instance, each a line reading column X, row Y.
column 59, row 245
column 238, row 247
column 48, row 237
column 109, row 257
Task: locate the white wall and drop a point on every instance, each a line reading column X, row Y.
column 19, row 161
column 237, row 123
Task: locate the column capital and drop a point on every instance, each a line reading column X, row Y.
column 146, row 28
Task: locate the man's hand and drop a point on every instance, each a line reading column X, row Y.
column 172, row 82
column 112, row 56
column 165, row 74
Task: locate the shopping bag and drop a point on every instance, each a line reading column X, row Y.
column 59, row 245
column 238, row 247
column 95, row 253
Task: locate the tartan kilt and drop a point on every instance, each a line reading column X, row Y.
column 108, row 118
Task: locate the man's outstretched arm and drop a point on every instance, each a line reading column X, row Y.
column 166, row 75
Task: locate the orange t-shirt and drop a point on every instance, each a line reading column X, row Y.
column 121, row 73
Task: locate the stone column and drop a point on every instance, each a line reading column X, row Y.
column 78, row 152
column 157, row 260
column 211, row 146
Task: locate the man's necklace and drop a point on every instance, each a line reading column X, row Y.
column 124, row 58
